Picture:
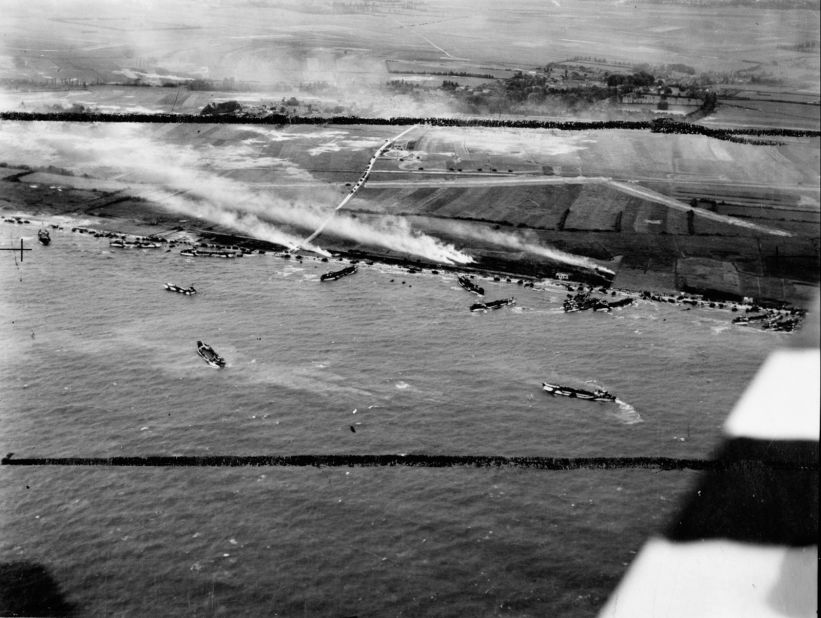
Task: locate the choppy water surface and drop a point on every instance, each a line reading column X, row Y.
column 99, row 360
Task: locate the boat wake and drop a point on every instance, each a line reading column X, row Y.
column 717, row 330
column 316, row 378
column 626, row 413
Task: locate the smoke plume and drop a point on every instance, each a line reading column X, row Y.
column 515, row 241
column 156, row 169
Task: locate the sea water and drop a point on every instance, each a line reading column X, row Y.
column 99, row 360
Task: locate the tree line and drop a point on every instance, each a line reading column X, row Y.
column 658, row 125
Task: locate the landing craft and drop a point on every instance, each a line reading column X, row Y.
column 493, row 304
column 578, row 393
column 43, row 237
column 210, row 253
column 584, row 301
column 133, row 244
column 208, row 354
column 180, row 290
column 470, row 286
column 338, row 274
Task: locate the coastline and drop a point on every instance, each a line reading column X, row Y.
column 550, row 225
column 108, row 209
column 171, row 237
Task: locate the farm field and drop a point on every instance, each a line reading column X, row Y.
column 299, row 159
column 775, row 114
column 288, row 43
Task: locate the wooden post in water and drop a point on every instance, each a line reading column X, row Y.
column 21, row 249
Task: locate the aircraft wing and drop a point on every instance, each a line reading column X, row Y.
column 745, row 542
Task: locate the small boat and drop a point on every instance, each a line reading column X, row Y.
column 181, row 290
column 578, row 393
column 470, row 286
column 493, row 304
column 338, row 274
column 207, row 354
column 43, row 237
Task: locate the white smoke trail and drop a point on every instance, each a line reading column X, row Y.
column 389, row 232
column 248, row 223
column 515, row 241
column 130, row 154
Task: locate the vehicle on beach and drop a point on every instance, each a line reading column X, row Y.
column 43, row 237
column 171, row 287
column 493, row 304
column 338, row 274
column 208, row 354
column 470, row 286
column 578, row 393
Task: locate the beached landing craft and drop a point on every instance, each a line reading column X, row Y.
column 338, row 274
column 133, row 244
column 208, row 253
column 470, row 286
column 493, row 304
column 207, row 354
column 578, row 393
column 583, row 301
column 43, row 237
column 181, row 290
